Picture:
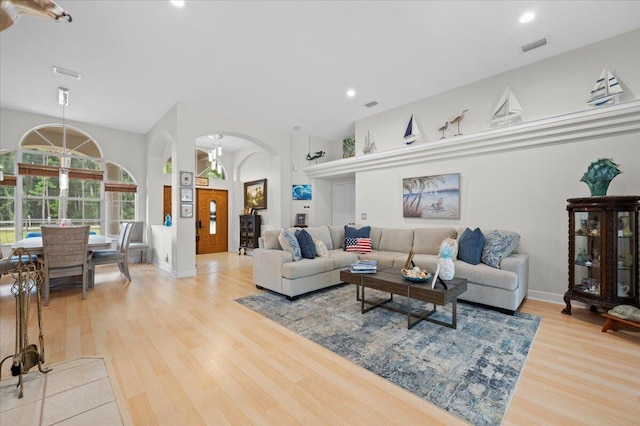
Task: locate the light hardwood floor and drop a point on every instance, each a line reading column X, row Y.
column 183, row 352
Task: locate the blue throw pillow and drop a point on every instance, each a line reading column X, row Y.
column 470, row 246
column 307, row 246
column 352, row 234
column 497, row 246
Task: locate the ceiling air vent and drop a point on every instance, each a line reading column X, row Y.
column 371, row 104
column 534, row 45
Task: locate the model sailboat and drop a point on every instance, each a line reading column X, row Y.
column 413, row 132
column 508, row 109
column 606, row 89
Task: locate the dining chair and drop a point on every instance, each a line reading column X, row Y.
column 120, row 255
column 64, row 254
column 137, row 240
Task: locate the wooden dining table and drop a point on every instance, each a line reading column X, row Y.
column 34, row 244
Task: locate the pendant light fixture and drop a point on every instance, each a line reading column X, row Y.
column 63, row 99
column 215, row 154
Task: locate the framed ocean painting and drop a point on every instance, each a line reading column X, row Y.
column 431, row 197
column 301, row 192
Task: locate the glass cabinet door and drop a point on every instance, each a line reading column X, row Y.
column 626, row 245
column 588, row 252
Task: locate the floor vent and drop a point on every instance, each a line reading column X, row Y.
column 534, row 45
column 371, row 104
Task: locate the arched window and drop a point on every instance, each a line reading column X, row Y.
column 38, row 160
column 204, row 167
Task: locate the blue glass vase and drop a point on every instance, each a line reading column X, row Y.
column 167, row 220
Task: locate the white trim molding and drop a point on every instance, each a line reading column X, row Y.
column 569, row 128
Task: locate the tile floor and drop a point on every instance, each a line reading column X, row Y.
column 75, row 392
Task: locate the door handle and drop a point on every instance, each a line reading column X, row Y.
column 200, row 224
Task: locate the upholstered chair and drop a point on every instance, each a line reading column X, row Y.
column 119, row 256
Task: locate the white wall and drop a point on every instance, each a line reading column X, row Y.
column 555, row 86
column 523, row 190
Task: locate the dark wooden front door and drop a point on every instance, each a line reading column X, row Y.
column 212, row 221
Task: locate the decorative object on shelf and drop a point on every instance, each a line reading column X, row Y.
column 508, row 109
column 457, row 121
column 167, row 220
column 255, row 194
column 443, row 128
column 348, row 147
column 45, row 9
column 599, row 175
column 624, row 229
column 318, row 154
column 605, row 91
column 368, row 145
column 432, row 197
column 413, row 132
column 301, row 192
column 301, row 219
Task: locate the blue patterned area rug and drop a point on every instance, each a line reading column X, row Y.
column 471, row 372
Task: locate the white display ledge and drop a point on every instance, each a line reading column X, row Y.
column 596, row 123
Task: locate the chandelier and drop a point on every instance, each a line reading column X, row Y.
column 215, row 154
column 63, row 99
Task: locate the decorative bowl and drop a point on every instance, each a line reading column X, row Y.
column 409, row 276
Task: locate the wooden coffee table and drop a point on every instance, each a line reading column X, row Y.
column 392, row 281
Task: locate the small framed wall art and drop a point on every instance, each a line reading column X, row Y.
column 186, row 210
column 186, row 178
column 186, row 194
column 301, row 192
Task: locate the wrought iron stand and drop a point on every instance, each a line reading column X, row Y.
column 27, row 277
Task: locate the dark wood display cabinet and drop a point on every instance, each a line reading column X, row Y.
column 250, row 225
column 603, row 252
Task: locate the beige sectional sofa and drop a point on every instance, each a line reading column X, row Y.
column 275, row 269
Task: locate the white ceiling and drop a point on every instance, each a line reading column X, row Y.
column 280, row 63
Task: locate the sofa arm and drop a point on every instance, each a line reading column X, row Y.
column 519, row 264
column 267, row 267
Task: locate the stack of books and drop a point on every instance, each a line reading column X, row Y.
column 364, row 267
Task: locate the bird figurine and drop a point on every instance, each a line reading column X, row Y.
column 443, row 128
column 457, row 121
column 10, row 11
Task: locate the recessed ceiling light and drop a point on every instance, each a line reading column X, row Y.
column 177, row 3
column 527, row 17
column 351, row 93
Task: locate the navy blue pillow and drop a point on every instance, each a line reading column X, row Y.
column 307, row 246
column 470, row 246
column 351, row 235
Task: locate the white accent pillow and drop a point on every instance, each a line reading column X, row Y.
column 321, row 249
column 289, row 243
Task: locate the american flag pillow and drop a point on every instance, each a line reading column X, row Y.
column 359, row 245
